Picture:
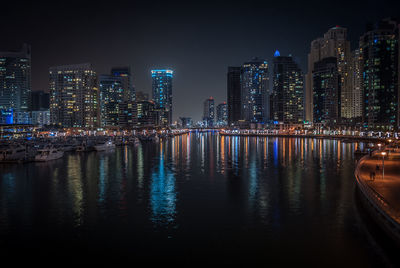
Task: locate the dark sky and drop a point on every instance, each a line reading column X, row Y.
column 197, row 39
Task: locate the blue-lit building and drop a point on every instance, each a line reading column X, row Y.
column 254, row 91
column 15, row 79
column 380, row 58
column 222, row 114
column 162, row 94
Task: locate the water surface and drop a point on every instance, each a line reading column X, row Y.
column 196, row 198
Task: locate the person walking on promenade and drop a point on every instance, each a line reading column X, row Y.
column 377, row 169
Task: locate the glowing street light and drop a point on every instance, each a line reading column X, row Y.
column 383, row 164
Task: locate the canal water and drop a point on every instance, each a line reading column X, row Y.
column 199, row 198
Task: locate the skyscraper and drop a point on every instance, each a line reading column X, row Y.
column 111, row 97
column 234, row 95
column 162, row 94
column 288, row 92
column 74, row 96
column 15, row 79
column 254, row 91
column 209, row 112
column 326, row 92
column 380, row 59
column 333, row 44
column 357, row 82
column 222, row 114
column 126, row 81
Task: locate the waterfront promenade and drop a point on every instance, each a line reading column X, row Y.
column 378, row 178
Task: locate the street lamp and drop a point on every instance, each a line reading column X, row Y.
column 383, row 164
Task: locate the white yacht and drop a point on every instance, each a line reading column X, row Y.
column 47, row 154
column 105, row 146
column 13, row 153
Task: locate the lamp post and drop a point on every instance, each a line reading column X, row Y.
column 383, row 164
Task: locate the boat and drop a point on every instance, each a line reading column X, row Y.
column 13, row 153
column 48, row 153
column 84, row 147
column 67, row 148
column 105, row 146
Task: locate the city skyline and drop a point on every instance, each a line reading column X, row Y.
column 189, row 43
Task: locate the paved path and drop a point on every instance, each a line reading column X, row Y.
column 389, row 186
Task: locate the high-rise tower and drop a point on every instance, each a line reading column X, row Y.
column 254, row 91
column 74, row 96
column 162, row 94
column 288, row 92
column 15, row 79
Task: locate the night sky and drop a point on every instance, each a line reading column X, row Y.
column 197, row 40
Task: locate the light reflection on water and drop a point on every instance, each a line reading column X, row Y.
column 223, row 191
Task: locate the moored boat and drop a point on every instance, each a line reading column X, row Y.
column 104, row 146
column 13, row 153
column 48, row 153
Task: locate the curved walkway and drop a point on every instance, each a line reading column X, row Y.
column 379, row 182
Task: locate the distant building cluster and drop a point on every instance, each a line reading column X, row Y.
column 80, row 98
column 341, row 87
column 358, row 88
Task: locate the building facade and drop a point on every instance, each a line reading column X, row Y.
column 288, row 91
column 357, row 83
column 209, row 112
column 40, row 100
column 40, row 118
column 74, row 96
column 162, row 94
column 146, row 113
column 334, row 43
column 326, row 92
column 255, row 91
column 15, row 79
column 222, row 114
column 234, row 95
column 380, row 59
column 125, row 75
column 111, row 97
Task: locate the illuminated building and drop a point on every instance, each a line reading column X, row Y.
column 222, row 114
column 74, row 96
column 124, row 73
column 333, row 44
column 380, row 59
column 326, row 92
column 162, row 95
column 40, row 118
column 357, row 83
column 15, row 79
column 126, row 114
column 288, row 92
column 146, row 114
column 209, row 112
column 111, row 96
column 254, row 91
column 234, row 95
